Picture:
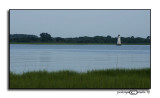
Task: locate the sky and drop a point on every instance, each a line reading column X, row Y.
column 76, row 23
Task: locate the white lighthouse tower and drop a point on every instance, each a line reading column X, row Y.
column 118, row 40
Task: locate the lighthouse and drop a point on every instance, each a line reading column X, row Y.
column 118, row 40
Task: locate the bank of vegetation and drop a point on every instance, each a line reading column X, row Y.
column 113, row 78
column 47, row 38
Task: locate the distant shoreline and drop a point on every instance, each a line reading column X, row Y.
column 81, row 43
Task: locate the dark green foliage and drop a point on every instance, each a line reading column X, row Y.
column 59, row 39
column 45, row 37
column 118, row 78
column 23, row 38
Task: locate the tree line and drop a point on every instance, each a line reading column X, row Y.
column 45, row 37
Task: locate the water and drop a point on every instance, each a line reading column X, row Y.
column 80, row 58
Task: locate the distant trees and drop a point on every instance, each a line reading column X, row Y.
column 148, row 39
column 45, row 37
column 23, row 38
column 108, row 37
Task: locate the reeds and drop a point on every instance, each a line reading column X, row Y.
column 113, row 78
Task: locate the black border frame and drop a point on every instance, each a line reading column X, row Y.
column 8, row 57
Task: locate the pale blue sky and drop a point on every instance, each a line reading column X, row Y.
column 75, row 23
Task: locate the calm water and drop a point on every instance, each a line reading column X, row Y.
column 78, row 58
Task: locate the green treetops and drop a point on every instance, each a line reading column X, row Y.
column 45, row 37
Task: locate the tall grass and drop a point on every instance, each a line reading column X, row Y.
column 118, row 78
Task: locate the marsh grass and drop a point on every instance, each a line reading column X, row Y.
column 118, row 78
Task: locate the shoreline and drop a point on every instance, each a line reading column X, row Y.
column 82, row 43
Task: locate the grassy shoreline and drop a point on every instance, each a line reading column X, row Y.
column 111, row 78
column 83, row 43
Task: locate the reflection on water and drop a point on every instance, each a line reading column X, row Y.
column 78, row 58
